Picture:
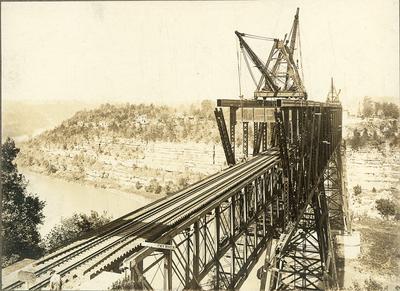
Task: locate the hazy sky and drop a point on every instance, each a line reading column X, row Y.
column 172, row 52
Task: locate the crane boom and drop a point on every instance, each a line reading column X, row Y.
column 258, row 63
column 294, row 32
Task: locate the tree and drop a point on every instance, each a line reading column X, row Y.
column 385, row 207
column 207, row 109
column 390, row 110
column 153, row 186
column 368, row 107
column 73, row 227
column 22, row 211
column 355, row 142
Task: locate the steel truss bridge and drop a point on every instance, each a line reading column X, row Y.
column 282, row 203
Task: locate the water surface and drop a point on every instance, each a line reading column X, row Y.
column 63, row 199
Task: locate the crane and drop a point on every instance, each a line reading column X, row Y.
column 280, row 76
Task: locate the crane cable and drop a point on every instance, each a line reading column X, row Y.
column 249, row 68
column 301, row 57
column 239, row 68
column 259, row 37
column 239, row 65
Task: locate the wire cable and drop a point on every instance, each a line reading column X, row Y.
column 301, row 55
column 249, row 68
column 259, row 37
column 239, row 67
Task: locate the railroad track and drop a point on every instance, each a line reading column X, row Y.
column 88, row 257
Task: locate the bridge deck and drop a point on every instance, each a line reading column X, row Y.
column 155, row 222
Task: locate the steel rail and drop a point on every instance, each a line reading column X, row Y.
column 202, row 199
column 217, row 197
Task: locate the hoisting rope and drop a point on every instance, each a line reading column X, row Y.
column 245, row 55
column 249, row 68
column 239, row 65
column 301, row 56
column 239, row 68
column 259, row 37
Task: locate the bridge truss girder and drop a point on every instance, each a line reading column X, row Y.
column 217, row 247
column 307, row 262
column 220, row 247
column 336, row 192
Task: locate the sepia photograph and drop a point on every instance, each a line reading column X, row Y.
column 200, row 145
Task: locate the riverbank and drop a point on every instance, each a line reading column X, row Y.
column 64, row 198
column 149, row 169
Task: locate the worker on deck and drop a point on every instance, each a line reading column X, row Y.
column 55, row 281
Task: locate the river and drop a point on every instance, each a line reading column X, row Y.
column 66, row 198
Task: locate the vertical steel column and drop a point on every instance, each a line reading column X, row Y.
column 245, row 215
column 232, row 125
column 196, row 252
column 216, row 246
column 272, row 197
column 265, row 137
column 255, row 134
column 264, row 202
column 300, row 177
column 311, row 156
column 272, row 134
column 205, row 239
column 295, row 126
column 168, row 269
column 255, row 211
column 286, row 121
column 317, row 166
column 232, row 234
column 246, row 138
column 135, row 276
column 187, row 269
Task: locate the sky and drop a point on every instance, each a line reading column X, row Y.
column 177, row 52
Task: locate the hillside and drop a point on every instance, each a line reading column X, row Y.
column 24, row 119
column 137, row 148
column 142, row 122
column 373, row 172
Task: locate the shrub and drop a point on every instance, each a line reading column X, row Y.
column 158, row 189
column 71, row 228
column 124, row 284
column 153, row 186
column 51, row 169
column 183, row 182
column 170, row 187
column 385, row 207
column 138, row 185
column 372, row 285
column 357, row 190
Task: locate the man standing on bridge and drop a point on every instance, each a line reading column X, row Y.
column 55, row 281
